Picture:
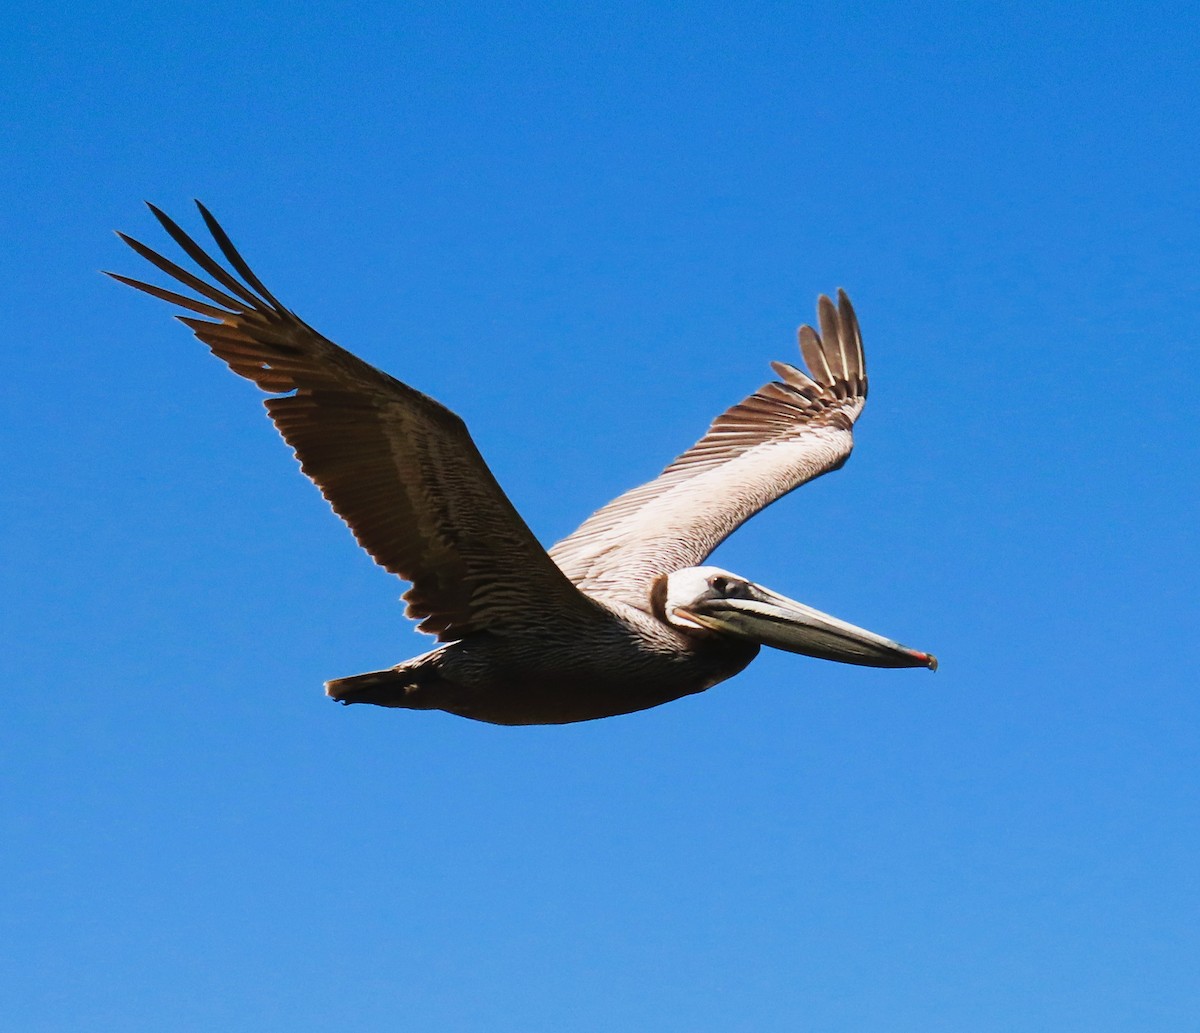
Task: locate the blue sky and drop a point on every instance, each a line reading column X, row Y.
column 587, row 230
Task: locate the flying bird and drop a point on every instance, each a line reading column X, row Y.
column 619, row 616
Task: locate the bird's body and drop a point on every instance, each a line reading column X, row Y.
column 622, row 661
column 618, row 616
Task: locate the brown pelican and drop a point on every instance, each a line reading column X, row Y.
column 617, row 617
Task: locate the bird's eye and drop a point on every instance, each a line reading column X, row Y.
column 730, row 588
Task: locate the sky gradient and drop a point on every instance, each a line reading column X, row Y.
column 587, row 231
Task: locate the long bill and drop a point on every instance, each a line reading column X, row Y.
column 774, row 620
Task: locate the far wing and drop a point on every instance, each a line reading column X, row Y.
column 399, row 468
column 784, row 434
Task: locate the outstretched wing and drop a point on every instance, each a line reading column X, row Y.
column 399, row 468
column 784, row 434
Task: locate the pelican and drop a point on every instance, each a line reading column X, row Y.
column 619, row 616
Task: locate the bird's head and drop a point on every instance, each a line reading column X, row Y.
column 699, row 599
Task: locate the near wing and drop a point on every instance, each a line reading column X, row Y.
column 397, row 466
column 784, row 434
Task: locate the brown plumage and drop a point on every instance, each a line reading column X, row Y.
column 584, row 631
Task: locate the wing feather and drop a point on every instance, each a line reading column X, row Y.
column 399, row 468
column 786, row 433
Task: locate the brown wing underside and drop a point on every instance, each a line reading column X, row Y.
column 784, row 434
column 397, row 466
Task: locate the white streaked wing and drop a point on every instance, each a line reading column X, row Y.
column 785, row 434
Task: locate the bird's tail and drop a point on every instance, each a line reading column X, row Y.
column 394, row 687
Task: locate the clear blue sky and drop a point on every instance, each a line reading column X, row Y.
column 588, row 230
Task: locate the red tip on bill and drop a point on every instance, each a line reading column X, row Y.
column 928, row 659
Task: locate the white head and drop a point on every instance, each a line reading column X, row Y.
column 691, row 587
